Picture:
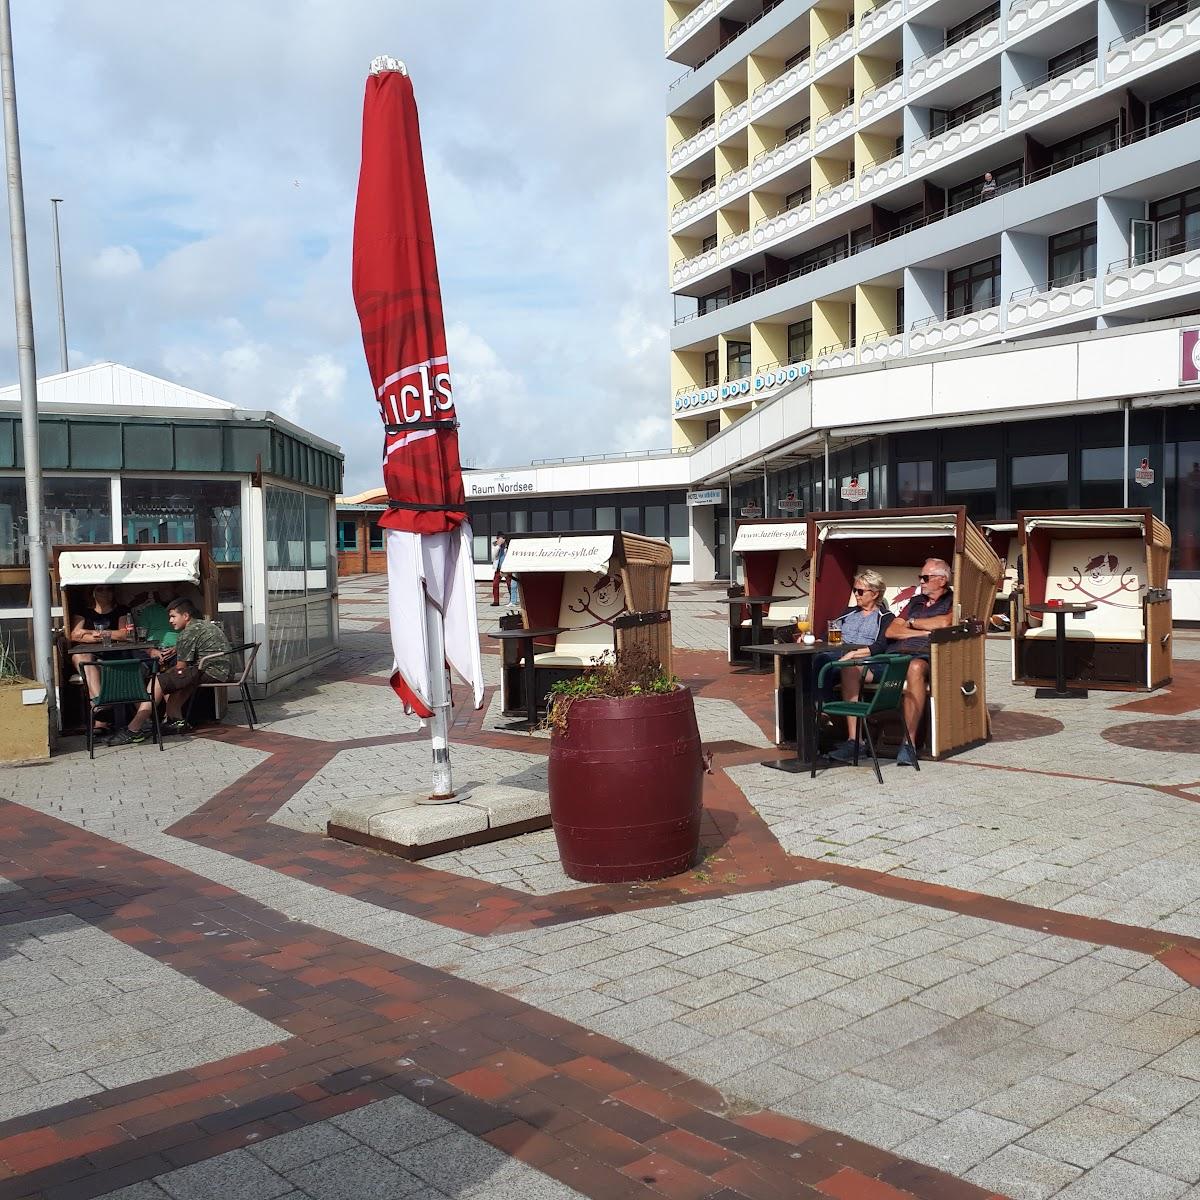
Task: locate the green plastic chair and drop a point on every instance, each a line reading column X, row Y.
column 121, row 682
column 889, row 691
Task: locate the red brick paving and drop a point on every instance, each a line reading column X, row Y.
column 596, row 1114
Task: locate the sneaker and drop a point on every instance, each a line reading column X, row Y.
column 128, row 737
column 905, row 757
column 843, row 753
column 179, row 725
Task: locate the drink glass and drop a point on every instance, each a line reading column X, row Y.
column 106, row 638
column 140, row 631
column 834, row 636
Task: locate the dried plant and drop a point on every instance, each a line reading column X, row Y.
column 636, row 673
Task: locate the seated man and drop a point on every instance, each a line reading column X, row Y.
column 195, row 638
column 931, row 608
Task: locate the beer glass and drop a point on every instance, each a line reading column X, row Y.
column 834, row 636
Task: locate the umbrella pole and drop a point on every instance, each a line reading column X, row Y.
column 439, row 697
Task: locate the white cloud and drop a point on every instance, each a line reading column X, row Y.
column 208, row 156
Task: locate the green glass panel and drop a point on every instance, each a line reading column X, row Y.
column 148, row 447
column 243, row 446
column 198, row 448
column 52, row 444
column 8, row 440
column 94, row 445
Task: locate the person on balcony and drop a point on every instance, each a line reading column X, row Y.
column 987, row 189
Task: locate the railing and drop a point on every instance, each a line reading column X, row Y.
column 1171, row 249
column 1058, row 73
column 768, row 6
column 696, row 18
column 867, row 92
column 977, row 108
column 1029, row 177
column 615, row 456
column 929, row 67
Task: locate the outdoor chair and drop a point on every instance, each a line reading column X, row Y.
column 238, row 683
column 121, row 682
column 886, row 698
column 1116, row 559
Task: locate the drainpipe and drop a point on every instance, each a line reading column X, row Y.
column 828, row 501
column 766, row 505
column 1126, row 405
column 729, row 533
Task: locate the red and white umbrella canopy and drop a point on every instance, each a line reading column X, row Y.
column 399, row 302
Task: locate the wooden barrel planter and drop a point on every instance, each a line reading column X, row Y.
column 626, row 778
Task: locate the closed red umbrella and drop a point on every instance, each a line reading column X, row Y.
column 431, row 585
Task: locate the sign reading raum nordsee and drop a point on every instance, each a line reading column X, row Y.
column 704, row 496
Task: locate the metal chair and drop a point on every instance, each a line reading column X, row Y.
column 249, row 652
column 121, row 682
column 887, row 697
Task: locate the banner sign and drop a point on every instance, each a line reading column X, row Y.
column 854, row 491
column 1144, row 474
column 706, row 496
column 789, row 504
column 590, row 553
column 161, row 565
column 772, row 535
column 1189, row 356
column 751, row 511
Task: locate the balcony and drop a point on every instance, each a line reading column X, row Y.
column 1151, row 45
column 769, row 161
column 829, row 199
column 959, row 138
column 687, row 211
column 881, row 175
column 1040, row 96
column 878, row 99
column 686, row 26
column 774, row 376
column 1175, row 267
column 879, row 347
column 832, row 51
column 832, row 357
column 735, row 245
column 933, row 67
column 771, row 229
column 1033, row 307
column 835, row 126
column 687, row 149
column 775, row 91
column 1025, row 14
column 687, row 269
column 955, row 331
column 732, row 119
column 879, row 19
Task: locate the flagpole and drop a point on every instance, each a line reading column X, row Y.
column 439, row 701
column 39, row 569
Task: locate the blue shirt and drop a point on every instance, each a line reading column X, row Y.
column 863, row 629
column 921, row 606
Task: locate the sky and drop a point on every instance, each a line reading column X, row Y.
column 207, row 157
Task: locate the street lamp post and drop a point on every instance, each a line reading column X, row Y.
column 64, row 364
column 39, row 569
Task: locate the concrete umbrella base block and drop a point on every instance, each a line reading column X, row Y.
column 405, row 826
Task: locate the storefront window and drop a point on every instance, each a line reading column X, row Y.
column 561, row 520
column 681, row 547
column 631, row 520
column 914, row 484
column 1039, row 481
column 74, row 511
column 656, row 521
column 376, row 537
column 973, row 482
column 606, row 518
column 581, row 518
column 186, row 510
column 1183, row 503
column 1102, row 476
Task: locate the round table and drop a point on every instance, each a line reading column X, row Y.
column 806, row 730
column 1060, row 691
column 526, row 637
column 756, row 604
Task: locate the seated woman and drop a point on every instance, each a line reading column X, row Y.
column 196, row 638
column 103, row 616
column 864, row 627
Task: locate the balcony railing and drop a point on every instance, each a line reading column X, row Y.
column 1170, row 248
column 1066, row 164
column 700, row 15
column 1151, row 43
column 1039, row 96
column 787, row 82
column 768, row 6
column 879, row 18
column 1064, row 297
column 832, row 50
column 1022, row 14
column 952, row 55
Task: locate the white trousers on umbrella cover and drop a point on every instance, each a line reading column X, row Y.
column 438, row 566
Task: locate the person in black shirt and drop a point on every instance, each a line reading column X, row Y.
column 105, row 616
column 931, row 608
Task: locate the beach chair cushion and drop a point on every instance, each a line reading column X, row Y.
column 589, row 605
column 1111, row 575
column 793, row 576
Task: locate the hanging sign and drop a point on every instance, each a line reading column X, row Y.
column 789, row 504
column 1189, row 356
column 129, row 565
column 1144, row 474
column 854, row 491
column 705, row 496
column 751, row 510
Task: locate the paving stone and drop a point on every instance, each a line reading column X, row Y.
column 961, row 1141
column 1084, row 1136
column 1035, row 1100
column 1118, row 1180
column 302, row 1146
column 353, row 1174
column 1148, row 1094
column 1171, row 1147
column 235, row 1173
column 392, row 1126
column 1022, row 1175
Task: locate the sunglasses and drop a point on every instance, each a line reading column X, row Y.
column 927, row 578
column 863, row 591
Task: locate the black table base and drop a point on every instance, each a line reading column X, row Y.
column 1052, row 693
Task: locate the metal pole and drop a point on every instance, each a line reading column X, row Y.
column 729, row 534
column 439, row 701
column 64, row 366
column 39, row 569
column 766, row 502
column 1125, row 459
column 828, row 500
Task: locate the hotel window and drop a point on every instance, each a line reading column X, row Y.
column 712, row 368
column 985, row 16
column 973, row 288
column 347, row 535
column 1168, row 10
column 709, row 243
column 1068, row 60
column 1039, row 481
column 973, row 482
column 1084, row 145
column 1176, row 223
column 1072, row 256
column 914, row 484
column 968, row 192
column 713, row 301
column 707, row 182
column 797, row 58
column 737, row 360
column 712, row 427
column 942, row 119
column 801, row 126
column 1175, row 105
column 800, row 345
column 799, row 196
column 899, row 309
column 75, row 510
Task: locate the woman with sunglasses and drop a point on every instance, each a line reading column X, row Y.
column 864, row 625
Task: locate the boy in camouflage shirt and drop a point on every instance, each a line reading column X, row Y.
column 195, row 637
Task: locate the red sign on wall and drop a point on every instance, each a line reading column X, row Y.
column 1189, row 356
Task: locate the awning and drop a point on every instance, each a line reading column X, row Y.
column 916, row 526
column 160, row 565
column 589, row 552
column 1089, row 521
column 771, row 535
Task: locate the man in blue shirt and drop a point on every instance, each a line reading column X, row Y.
column 931, row 608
